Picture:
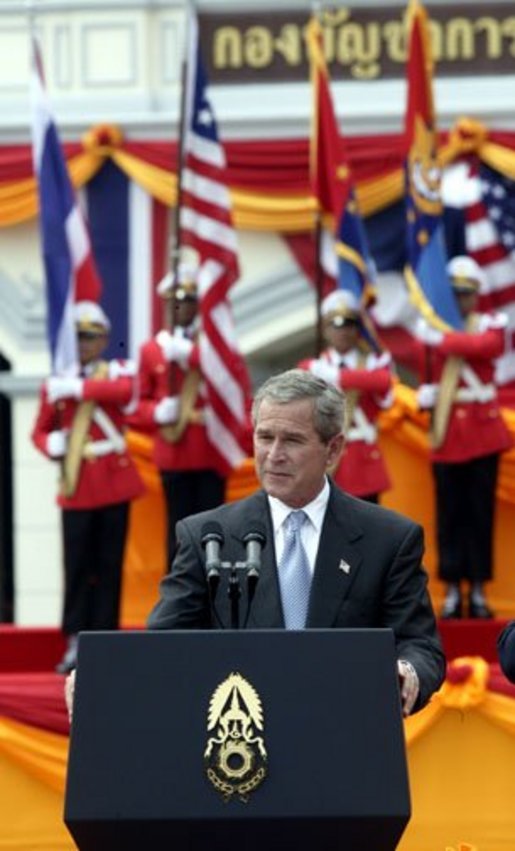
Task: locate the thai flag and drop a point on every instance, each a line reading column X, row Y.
column 69, row 266
column 130, row 238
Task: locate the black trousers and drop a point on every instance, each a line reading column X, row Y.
column 94, row 543
column 188, row 492
column 465, row 505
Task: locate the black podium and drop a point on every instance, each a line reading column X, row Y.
column 306, row 726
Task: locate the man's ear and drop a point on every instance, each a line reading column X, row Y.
column 334, row 450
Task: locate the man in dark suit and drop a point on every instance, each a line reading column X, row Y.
column 362, row 563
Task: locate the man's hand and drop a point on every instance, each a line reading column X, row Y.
column 175, row 347
column 63, row 387
column 427, row 395
column 56, row 443
column 69, row 692
column 326, row 371
column 167, row 410
column 425, row 332
column 409, row 685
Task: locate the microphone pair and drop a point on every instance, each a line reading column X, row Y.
column 212, row 540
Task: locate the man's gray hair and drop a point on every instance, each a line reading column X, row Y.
column 295, row 385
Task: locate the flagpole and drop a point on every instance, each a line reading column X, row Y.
column 319, row 280
column 175, row 235
column 316, row 8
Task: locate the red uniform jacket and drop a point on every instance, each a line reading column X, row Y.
column 362, row 470
column 193, row 451
column 476, row 427
column 108, row 478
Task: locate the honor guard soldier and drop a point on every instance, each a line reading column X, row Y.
column 80, row 424
column 467, row 436
column 366, row 376
column 172, row 405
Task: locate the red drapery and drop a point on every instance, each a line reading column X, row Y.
column 265, row 165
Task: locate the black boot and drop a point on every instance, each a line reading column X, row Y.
column 478, row 607
column 452, row 605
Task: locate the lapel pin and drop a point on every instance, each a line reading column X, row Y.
column 344, row 566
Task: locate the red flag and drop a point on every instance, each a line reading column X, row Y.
column 206, row 225
column 329, row 172
column 419, row 72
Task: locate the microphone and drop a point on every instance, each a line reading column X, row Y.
column 212, row 539
column 254, row 540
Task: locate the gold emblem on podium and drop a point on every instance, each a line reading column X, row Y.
column 235, row 755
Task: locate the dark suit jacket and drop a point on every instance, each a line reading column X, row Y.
column 386, row 585
column 506, row 650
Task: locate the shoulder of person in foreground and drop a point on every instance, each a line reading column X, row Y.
column 184, row 600
column 506, row 651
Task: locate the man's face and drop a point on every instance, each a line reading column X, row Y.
column 291, row 460
column 344, row 337
column 91, row 346
column 467, row 302
column 185, row 311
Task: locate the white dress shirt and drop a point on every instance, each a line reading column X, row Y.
column 310, row 531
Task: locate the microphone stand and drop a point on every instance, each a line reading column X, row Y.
column 234, row 587
column 234, row 596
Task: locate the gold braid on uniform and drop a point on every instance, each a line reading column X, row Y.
column 187, row 413
column 447, row 390
column 351, row 400
column 78, row 437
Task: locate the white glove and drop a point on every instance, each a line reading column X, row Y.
column 326, row 371
column 409, row 684
column 425, row 332
column 64, row 387
column 175, row 347
column 56, row 443
column 426, row 396
column 167, row 410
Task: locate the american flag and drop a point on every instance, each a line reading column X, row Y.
column 69, row 266
column 206, row 225
column 490, row 240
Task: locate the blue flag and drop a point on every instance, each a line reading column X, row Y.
column 429, row 285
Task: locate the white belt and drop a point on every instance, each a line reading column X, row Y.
column 483, row 393
column 99, row 448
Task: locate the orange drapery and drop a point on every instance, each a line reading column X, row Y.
column 461, row 751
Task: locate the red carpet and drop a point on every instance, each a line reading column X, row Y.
column 471, row 638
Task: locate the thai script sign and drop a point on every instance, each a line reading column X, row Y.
column 360, row 44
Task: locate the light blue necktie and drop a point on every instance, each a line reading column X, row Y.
column 294, row 573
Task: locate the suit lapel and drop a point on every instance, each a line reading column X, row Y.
column 337, row 563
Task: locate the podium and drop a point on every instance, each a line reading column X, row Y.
column 304, row 732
